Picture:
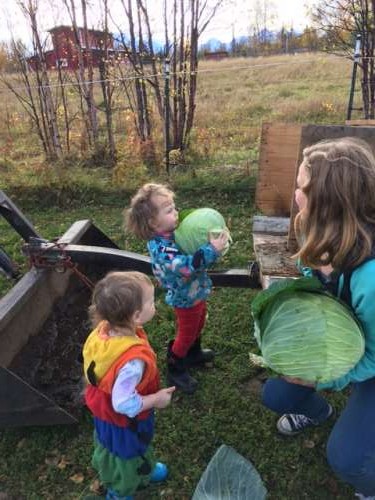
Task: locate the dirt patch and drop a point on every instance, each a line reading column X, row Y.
column 254, row 385
column 275, row 258
column 51, row 360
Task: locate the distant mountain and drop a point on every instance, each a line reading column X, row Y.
column 212, row 44
column 118, row 38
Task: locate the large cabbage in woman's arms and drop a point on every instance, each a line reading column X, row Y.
column 304, row 332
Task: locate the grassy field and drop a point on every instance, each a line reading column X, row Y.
column 235, row 96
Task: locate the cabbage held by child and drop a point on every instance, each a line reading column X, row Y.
column 196, row 226
column 306, row 333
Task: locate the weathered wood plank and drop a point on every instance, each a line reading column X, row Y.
column 270, row 225
column 362, row 123
column 278, row 154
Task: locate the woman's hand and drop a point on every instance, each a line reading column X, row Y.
column 299, row 381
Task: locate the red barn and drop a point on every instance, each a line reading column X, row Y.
column 218, row 55
column 66, row 47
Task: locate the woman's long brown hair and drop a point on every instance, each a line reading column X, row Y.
column 337, row 225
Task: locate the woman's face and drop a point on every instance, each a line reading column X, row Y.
column 303, row 178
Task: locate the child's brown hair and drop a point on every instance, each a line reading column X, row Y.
column 117, row 297
column 142, row 212
column 337, row 225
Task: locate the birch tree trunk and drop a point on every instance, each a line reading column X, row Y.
column 47, row 106
column 85, row 85
column 107, row 86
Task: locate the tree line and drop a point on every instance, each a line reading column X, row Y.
column 50, row 98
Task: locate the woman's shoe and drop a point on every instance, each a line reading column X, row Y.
column 292, row 423
column 159, row 473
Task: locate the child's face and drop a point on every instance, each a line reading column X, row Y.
column 302, row 179
column 148, row 306
column 166, row 219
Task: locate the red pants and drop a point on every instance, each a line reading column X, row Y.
column 190, row 322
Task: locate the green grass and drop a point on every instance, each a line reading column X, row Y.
column 50, row 463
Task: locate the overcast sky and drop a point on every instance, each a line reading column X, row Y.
column 233, row 17
column 237, row 17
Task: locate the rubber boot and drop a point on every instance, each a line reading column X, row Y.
column 197, row 356
column 112, row 495
column 159, row 473
column 177, row 373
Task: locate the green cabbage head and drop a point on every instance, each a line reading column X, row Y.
column 194, row 229
column 304, row 332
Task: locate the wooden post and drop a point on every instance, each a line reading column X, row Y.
column 357, row 54
column 166, row 112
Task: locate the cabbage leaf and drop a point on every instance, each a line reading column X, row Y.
column 229, row 476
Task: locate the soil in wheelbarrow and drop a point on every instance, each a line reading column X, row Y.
column 51, row 361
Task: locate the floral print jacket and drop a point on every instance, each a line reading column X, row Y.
column 183, row 276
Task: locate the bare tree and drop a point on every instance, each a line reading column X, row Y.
column 184, row 22
column 85, row 73
column 341, row 21
column 134, row 49
column 261, row 16
column 107, row 86
column 38, row 99
column 182, row 48
column 27, row 96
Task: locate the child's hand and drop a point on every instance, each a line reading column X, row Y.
column 220, row 241
column 163, row 397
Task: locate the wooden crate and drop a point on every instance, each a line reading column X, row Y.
column 270, row 239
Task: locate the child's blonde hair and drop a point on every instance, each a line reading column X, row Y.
column 140, row 216
column 337, row 225
column 117, row 297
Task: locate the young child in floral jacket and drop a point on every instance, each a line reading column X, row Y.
column 153, row 216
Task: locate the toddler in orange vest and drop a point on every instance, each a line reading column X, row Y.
column 123, row 384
